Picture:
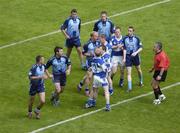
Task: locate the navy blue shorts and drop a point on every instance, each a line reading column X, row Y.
column 70, row 43
column 60, row 78
column 36, row 89
column 130, row 60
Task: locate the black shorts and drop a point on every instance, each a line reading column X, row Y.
column 60, row 78
column 163, row 77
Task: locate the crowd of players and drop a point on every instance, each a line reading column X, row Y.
column 105, row 51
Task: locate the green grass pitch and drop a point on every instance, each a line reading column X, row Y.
column 22, row 19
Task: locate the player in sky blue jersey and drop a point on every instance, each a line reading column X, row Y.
column 88, row 51
column 36, row 77
column 61, row 66
column 117, row 55
column 71, row 30
column 132, row 48
column 99, row 70
column 104, row 26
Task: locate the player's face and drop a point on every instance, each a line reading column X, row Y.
column 103, row 17
column 98, row 52
column 117, row 32
column 95, row 36
column 73, row 14
column 102, row 40
column 155, row 49
column 60, row 52
column 130, row 32
column 42, row 60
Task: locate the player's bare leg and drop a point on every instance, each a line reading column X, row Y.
column 55, row 94
column 111, row 91
column 41, row 103
column 159, row 96
column 30, row 105
column 121, row 81
column 107, row 97
column 138, row 68
column 92, row 98
column 79, row 51
column 129, row 69
column 68, row 53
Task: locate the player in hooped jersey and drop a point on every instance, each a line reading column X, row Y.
column 99, row 70
column 107, row 49
column 117, row 55
column 88, row 52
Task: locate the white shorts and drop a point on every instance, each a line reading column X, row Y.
column 99, row 82
column 117, row 60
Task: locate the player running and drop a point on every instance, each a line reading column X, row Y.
column 36, row 77
column 88, row 51
column 132, row 48
column 117, row 55
column 104, row 26
column 71, row 30
column 61, row 66
column 99, row 70
column 160, row 68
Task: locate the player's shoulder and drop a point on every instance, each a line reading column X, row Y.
column 108, row 20
column 65, row 57
column 98, row 21
column 137, row 37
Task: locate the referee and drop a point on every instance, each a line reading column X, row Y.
column 160, row 68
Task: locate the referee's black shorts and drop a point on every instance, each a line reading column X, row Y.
column 163, row 77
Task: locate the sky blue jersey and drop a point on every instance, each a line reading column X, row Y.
column 37, row 70
column 72, row 27
column 131, row 44
column 104, row 27
column 59, row 65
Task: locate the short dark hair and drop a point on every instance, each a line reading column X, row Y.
column 103, row 12
column 38, row 58
column 117, row 27
column 56, row 49
column 74, row 11
column 131, row 27
column 159, row 45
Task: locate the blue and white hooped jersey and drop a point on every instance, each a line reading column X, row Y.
column 107, row 59
column 108, row 47
column 116, row 41
column 37, row 70
column 131, row 44
column 99, row 67
column 72, row 27
column 59, row 65
column 104, row 27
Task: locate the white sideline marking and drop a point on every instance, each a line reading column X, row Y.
column 98, row 110
column 86, row 23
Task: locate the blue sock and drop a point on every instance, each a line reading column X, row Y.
column 129, row 85
column 141, row 78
